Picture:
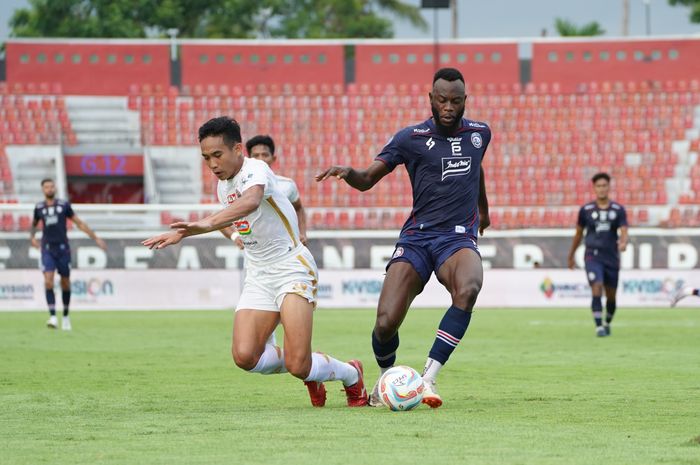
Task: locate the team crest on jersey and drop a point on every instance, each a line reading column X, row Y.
column 243, row 227
column 476, row 140
column 456, row 166
column 612, row 215
column 398, row 252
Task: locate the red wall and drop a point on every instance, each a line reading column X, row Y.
column 479, row 63
column 658, row 64
column 236, row 64
column 37, row 63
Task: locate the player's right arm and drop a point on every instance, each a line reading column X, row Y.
column 574, row 245
column 580, row 225
column 246, row 204
column 32, row 231
column 361, row 180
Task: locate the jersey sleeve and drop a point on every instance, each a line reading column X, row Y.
column 581, row 218
column 394, row 151
column 622, row 219
column 69, row 210
column 487, row 140
column 37, row 214
column 258, row 175
column 293, row 192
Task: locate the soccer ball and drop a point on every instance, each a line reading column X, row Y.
column 401, row 388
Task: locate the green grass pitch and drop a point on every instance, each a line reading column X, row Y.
column 524, row 387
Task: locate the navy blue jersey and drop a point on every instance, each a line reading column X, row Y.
column 54, row 219
column 601, row 225
column 444, row 173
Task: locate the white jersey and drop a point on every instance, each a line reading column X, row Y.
column 288, row 188
column 271, row 232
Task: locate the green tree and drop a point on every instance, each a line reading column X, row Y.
column 694, row 8
column 566, row 28
column 343, row 18
column 212, row 18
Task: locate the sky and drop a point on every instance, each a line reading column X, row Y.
column 516, row 18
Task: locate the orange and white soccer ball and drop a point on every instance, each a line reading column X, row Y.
column 401, row 388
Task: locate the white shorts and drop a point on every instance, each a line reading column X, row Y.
column 266, row 286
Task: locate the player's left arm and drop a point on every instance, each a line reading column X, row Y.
column 484, row 220
column 86, row 229
column 624, row 238
column 301, row 216
column 246, row 204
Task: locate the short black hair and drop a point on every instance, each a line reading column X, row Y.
column 600, row 175
column 448, row 74
column 45, row 180
column 222, row 126
column 260, row 139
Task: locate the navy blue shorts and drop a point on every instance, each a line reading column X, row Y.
column 427, row 251
column 598, row 271
column 56, row 258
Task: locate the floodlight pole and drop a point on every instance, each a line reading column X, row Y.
column 455, row 25
column 172, row 32
column 436, row 43
column 647, row 14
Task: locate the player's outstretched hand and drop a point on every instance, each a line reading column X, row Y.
column 484, row 222
column 340, row 172
column 196, row 227
column 161, row 241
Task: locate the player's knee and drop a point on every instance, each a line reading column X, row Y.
column 297, row 366
column 384, row 328
column 244, row 360
column 466, row 295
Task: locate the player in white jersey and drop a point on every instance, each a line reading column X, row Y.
column 281, row 275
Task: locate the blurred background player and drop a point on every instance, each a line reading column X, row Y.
column 683, row 293
column 601, row 219
column 262, row 147
column 443, row 158
column 55, row 250
column 281, row 276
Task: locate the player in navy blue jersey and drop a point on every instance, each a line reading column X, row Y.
column 605, row 223
column 443, row 158
column 53, row 213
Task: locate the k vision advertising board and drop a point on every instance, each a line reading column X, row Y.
column 655, row 249
column 220, row 289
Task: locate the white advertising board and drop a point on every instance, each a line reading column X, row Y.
column 219, row 289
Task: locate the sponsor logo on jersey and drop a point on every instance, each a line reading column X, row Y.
column 456, row 166
column 430, row 143
column 472, row 124
column 459, row 229
column 243, row 227
column 420, row 131
column 476, row 140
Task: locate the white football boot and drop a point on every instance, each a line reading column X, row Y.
column 430, row 395
column 52, row 322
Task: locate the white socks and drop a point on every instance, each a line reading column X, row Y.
column 271, row 361
column 326, row 368
column 431, row 370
